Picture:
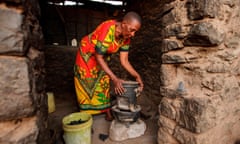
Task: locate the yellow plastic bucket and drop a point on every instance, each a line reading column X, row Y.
column 51, row 102
column 77, row 133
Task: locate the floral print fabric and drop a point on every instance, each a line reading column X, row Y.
column 91, row 83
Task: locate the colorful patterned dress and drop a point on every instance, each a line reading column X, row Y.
column 92, row 84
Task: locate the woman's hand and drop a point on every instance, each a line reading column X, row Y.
column 118, row 88
column 126, row 64
column 139, row 80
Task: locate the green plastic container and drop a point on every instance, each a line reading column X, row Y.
column 78, row 133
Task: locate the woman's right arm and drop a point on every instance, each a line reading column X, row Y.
column 117, row 82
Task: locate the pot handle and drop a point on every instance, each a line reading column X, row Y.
column 138, row 92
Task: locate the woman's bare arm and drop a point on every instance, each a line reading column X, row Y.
column 127, row 65
column 117, row 82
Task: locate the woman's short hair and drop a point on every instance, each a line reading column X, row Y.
column 132, row 15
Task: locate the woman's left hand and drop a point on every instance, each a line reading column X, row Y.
column 118, row 86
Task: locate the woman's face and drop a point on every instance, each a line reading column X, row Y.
column 129, row 27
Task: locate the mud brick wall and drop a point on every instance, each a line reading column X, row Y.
column 198, row 43
column 23, row 105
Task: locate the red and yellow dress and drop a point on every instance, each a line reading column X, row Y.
column 92, row 84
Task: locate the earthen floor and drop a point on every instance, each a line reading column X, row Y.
column 100, row 126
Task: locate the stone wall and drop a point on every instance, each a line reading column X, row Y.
column 199, row 72
column 23, row 106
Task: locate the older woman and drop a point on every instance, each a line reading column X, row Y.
column 91, row 73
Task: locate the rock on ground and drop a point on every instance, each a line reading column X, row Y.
column 120, row 131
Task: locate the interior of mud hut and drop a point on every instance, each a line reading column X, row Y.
column 120, row 72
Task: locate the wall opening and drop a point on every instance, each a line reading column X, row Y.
column 186, row 51
column 61, row 24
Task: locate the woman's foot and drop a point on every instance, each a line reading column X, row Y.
column 108, row 116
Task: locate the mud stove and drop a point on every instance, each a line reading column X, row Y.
column 127, row 123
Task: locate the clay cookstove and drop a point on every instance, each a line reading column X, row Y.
column 127, row 123
column 126, row 110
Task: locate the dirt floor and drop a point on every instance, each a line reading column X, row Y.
column 66, row 106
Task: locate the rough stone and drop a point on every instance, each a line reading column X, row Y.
column 236, row 68
column 230, row 89
column 178, row 58
column 174, row 30
column 230, row 3
column 166, row 138
column 172, row 93
column 178, row 103
column 166, row 108
column 173, row 59
column 33, row 32
column 166, row 124
column 227, row 56
column 21, row 131
column 37, row 62
column 185, row 137
column 232, row 42
column 168, row 92
column 120, row 131
column 221, row 133
column 165, row 10
column 15, row 88
column 198, row 9
column 198, row 114
column 213, row 83
column 168, row 18
column 204, row 34
column 167, row 73
column 218, row 67
column 38, row 59
column 11, row 36
column 168, row 45
column 23, row 105
column 10, row 18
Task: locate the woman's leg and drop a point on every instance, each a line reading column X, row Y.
column 109, row 116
